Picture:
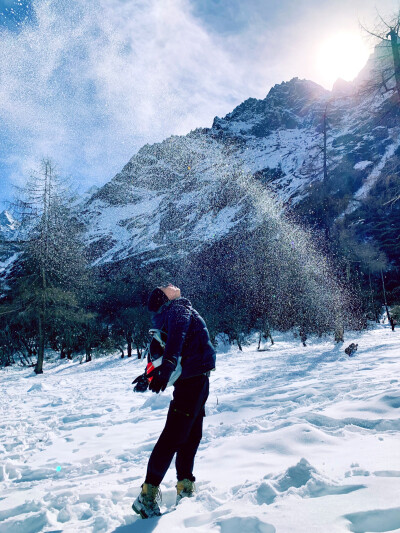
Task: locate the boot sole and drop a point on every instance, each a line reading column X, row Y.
column 143, row 513
column 182, row 496
column 138, row 511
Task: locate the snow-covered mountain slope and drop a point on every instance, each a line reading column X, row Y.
column 295, row 440
column 8, row 226
column 8, row 250
column 185, row 191
column 181, row 192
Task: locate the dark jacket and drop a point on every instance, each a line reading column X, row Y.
column 187, row 335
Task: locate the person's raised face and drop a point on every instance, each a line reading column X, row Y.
column 171, row 292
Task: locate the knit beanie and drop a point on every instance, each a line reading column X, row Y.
column 156, row 300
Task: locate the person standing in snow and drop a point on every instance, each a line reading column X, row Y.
column 188, row 338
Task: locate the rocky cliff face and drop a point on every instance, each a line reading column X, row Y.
column 173, row 196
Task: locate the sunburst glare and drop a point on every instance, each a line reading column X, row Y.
column 342, row 55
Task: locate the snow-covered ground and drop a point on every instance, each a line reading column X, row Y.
column 295, row 440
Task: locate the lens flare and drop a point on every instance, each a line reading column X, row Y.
column 342, row 55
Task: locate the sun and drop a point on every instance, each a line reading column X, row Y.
column 342, row 55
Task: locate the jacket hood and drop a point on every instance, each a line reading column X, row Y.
column 181, row 301
column 157, row 319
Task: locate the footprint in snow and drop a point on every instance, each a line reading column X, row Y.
column 250, row 524
column 386, row 473
column 377, row 520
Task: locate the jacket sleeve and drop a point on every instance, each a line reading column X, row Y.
column 178, row 321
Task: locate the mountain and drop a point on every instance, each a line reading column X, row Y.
column 174, row 196
column 8, row 226
column 8, row 250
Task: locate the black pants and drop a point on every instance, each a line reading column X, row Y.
column 182, row 432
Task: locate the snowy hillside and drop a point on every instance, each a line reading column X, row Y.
column 8, row 225
column 183, row 191
column 295, row 440
column 173, row 197
column 8, row 251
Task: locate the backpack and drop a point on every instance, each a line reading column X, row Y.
column 155, row 356
column 154, row 353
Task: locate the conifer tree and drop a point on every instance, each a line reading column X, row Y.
column 54, row 264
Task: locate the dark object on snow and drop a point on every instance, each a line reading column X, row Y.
column 157, row 299
column 142, row 383
column 264, row 335
column 303, row 337
column 351, row 349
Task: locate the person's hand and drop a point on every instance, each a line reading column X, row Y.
column 141, row 383
column 161, row 376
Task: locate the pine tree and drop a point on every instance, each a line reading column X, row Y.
column 54, row 265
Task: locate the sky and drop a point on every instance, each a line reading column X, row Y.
column 86, row 83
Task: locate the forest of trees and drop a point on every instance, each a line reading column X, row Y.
column 56, row 302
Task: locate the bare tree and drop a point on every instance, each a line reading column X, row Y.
column 388, row 69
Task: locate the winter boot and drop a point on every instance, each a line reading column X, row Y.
column 146, row 503
column 184, row 489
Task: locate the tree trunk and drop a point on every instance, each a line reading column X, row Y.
column 325, row 199
column 43, row 262
column 372, row 299
column 88, row 351
column 40, row 357
column 129, row 343
column 122, row 351
column 339, row 334
column 239, row 343
column 384, row 297
column 396, row 58
column 325, row 153
column 270, row 336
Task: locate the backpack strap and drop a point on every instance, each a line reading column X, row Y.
column 156, row 334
